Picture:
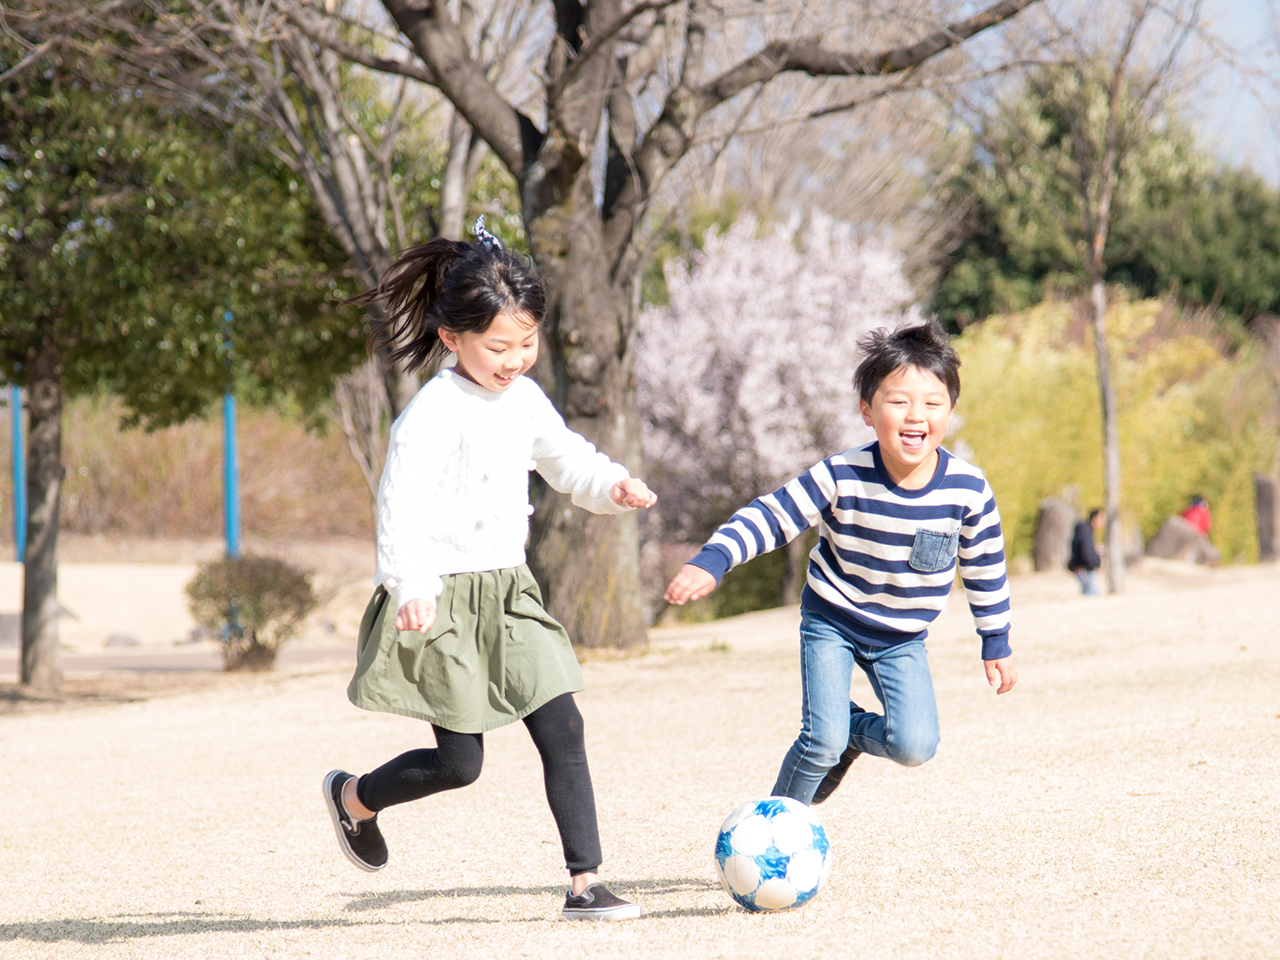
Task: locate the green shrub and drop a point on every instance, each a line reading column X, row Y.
column 252, row 605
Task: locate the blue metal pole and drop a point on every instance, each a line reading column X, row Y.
column 230, row 475
column 19, row 474
column 230, row 466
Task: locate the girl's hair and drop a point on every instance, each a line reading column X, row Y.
column 451, row 285
column 925, row 345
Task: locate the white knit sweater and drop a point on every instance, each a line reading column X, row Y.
column 454, row 496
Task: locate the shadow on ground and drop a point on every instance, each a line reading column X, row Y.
column 133, row 927
column 119, row 686
column 639, row 888
column 139, row 926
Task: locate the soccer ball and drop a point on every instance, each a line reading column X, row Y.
column 772, row 854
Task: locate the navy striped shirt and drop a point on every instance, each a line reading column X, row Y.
column 886, row 557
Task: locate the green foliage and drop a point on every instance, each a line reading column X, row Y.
column 253, row 605
column 684, row 239
column 127, row 232
column 1180, row 223
column 1192, row 419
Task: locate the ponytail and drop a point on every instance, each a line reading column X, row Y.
column 452, row 285
column 410, row 291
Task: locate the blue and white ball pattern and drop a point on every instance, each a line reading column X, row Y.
column 772, row 854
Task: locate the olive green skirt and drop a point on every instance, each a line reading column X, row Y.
column 493, row 655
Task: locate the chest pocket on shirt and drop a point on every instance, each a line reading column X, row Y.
column 933, row 550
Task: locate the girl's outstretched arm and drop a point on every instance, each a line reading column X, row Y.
column 569, row 462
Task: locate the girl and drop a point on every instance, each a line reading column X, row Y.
column 455, row 633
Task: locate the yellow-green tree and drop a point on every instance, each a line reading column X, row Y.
column 1192, row 417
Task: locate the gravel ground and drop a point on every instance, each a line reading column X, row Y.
column 1121, row 802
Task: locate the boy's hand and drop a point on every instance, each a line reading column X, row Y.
column 632, row 493
column 416, row 615
column 691, row 583
column 1002, row 671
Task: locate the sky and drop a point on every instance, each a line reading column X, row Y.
column 1239, row 124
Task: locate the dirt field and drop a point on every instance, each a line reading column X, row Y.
column 1122, row 802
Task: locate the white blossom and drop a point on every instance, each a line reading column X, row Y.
column 746, row 377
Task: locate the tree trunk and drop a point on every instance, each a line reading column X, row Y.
column 588, row 564
column 466, row 153
column 1054, row 529
column 795, row 571
column 1110, row 440
column 41, row 666
column 1267, row 507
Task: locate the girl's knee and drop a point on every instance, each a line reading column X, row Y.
column 464, row 771
column 459, row 763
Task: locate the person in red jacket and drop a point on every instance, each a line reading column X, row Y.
column 1197, row 514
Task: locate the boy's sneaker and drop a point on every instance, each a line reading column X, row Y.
column 598, row 903
column 361, row 840
column 832, row 780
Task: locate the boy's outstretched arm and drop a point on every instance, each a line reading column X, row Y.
column 1003, row 671
column 691, row 583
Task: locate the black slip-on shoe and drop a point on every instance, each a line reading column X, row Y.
column 832, row 780
column 598, row 903
column 361, row 840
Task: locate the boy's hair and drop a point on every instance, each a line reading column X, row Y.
column 1094, row 514
column 452, row 285
column 925, row 345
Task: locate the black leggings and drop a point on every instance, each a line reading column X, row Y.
column 556, row 729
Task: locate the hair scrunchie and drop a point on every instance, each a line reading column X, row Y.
column 485, row 238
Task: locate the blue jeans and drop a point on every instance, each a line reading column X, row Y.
column 1088, row 582
column 907, row 733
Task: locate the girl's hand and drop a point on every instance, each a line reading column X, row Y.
column 691, row 583
column 632, row 493
column 416, row 615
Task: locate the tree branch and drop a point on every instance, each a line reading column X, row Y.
column 597, row 43
column 672, row 134
column 439, row 42
column 311, row 26
column 807, row 55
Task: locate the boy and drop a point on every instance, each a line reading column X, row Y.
column 894, row 517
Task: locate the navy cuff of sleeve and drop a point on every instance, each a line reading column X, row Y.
column 714, row 560
column 996, row 646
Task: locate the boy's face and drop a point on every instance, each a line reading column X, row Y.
column 910, row 413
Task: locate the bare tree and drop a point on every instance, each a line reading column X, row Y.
column 626, row 93
column 1118, row 68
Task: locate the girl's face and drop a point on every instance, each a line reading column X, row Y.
column 496, row 357
column 910, row 412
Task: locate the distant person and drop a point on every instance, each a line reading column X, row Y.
column 897, row 518
column 1085, row 559
column 1197, row 514
column 455, row 633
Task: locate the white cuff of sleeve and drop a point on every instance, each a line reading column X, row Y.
column 410, row 588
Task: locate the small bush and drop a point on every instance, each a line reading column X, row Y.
column 253, row 605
